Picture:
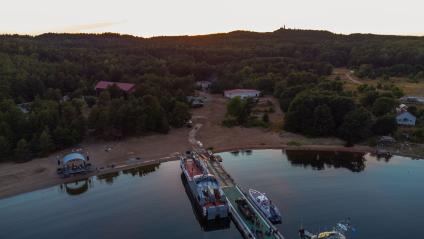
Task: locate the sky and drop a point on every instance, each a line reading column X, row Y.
column 192, row 17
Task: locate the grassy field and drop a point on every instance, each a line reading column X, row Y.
column 352, row 82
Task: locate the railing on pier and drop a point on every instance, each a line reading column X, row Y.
column 233, row 192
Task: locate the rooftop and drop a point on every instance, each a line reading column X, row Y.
column 103, row 85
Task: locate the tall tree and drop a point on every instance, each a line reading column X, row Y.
column 356, row 125
column 323, row 121
column 45, row 143
column 385, row 125
column 180, row 114
column 22, row 151
column 383, row 105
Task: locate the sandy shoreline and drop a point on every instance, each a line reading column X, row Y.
column 133, row 152
column 120, row 167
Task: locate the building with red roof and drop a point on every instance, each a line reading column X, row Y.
column 125, row 87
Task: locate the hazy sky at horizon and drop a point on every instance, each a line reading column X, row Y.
column 190, row 17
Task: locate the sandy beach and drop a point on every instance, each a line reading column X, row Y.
column 117, row 155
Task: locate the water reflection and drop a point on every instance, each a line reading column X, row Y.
column 77, row 187
column 242, row 152
column 108, row 177
column 142, row 171
column 82, row 186
column 355, row 162
column 214, row 225
column 138, row 171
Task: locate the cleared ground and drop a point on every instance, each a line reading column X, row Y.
column 351, row 82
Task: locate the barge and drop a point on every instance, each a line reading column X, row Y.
column 204, row 188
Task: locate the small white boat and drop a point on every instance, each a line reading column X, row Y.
column 265, row 205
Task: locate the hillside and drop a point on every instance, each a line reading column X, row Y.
column 45, row 68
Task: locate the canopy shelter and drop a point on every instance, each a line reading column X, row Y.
column 73, row 158
column 72, row 164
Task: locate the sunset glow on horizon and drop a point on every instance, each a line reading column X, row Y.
column 192, row 17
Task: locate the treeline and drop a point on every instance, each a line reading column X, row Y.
column 50, row 125
column 318, row 107
column 56, row 73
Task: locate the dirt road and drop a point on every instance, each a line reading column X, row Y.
column 350, row 77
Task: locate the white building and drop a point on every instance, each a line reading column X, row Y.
column 406, row 118
column 242, row 93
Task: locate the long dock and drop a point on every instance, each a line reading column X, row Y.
column 262, row 227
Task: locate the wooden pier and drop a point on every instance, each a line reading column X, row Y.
column 262, row 227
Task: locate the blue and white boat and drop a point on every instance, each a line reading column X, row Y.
column 265, row 205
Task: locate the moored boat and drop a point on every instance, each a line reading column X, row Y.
column 339, row 232
column 245, row 209
column 322, row 235
column 266, row 206
column 204, row 187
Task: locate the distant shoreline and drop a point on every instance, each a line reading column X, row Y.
column 136, row 164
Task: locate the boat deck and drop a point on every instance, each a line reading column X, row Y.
column 232, row 193
column 192, row 168
column 216, row 169
column 248, row 227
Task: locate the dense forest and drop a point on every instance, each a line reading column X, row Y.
column 56, row 74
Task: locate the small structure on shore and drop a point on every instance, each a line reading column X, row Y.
column 386, row 140
column 196, row 101
column 406, row 118
column 412, row 99
column 242, row 93
column 74, row 163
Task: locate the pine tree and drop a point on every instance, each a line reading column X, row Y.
column 45, row 143
column 22, row 151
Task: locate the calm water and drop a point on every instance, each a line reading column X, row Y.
column 384, row 199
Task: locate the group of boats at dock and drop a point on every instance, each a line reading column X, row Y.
column 212, row 204
column 210, row 199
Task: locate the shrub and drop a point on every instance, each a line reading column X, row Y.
column 294, row 143
column 229, row 122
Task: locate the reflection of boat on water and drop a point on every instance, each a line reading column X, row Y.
column 204, row 187
column 206, row 225
column 339, row 232
column 265, row 206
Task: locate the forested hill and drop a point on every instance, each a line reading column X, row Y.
column 42, row 70
column 69, row 58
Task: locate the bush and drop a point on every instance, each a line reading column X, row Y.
column 384, row 125
column 293, row 143
column 383, row 105
column 418, row 135
column 229, row 122
column 90, row 101
column 255, row 122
